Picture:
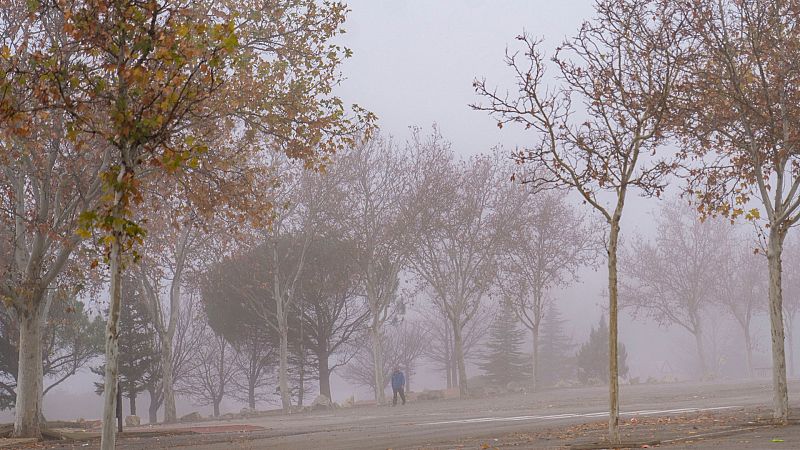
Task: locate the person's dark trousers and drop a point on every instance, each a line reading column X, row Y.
column 402, row 396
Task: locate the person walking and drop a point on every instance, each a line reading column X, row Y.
column 398, row 385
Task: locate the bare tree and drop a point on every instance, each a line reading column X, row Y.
column 544, row 251
column 456, row 250
column 212, row 369
column 375, row 214
column 674, row 279
column 741, row 289
column 620, row 69
column 166, row 263
column 255, row 364
column 404, row 344
column 441, row 350
column 331, row 309
column 186, row 342
column 295, row 218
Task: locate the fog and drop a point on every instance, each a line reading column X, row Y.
column 413, row 66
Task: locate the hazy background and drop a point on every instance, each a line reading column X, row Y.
column 413, row 65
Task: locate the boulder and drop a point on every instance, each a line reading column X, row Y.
column 132, row 421
column 191, row 417
column 322, row 402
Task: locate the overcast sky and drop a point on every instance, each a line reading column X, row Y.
column 414, row 61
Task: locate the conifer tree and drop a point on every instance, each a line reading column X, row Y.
column 139, row 351
column 593, row 356
column 503, row 361
column 556, row 349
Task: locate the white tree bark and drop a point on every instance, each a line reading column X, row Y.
column 166, row 328
column 168, row 381
column 780, row 390
column 281, row 313
column 701, row 351
column 30, row 373
column 377, row 358
column 283, row 364
column 535, row 359
column 458, row 350
column 613, row 298
column 108, row 435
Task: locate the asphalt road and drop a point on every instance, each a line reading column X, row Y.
column 446, row 423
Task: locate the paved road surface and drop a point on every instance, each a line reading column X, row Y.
column 443, row 424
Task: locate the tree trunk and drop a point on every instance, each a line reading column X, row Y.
column 613, row 379
column 448, row 373
column 377, row 359
column 132, row 402
column 701, row 352
column 168, row 380
column 302, row 359
column 301, row 391
column 748, row 342
column 251, row 395
column 152, row 410
column 790, row 341
column 535, row 359
column 459, row 357
column 216, row 407
column 780, row 392
column 450, row 365
column 30, row 377
column 324, row 375
column 453, row 367
column 108, row 436
column 283, row 364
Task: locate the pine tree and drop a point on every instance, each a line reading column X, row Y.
column 503, row 361
column 556, row 350
column 593, row 356
column 138, row 347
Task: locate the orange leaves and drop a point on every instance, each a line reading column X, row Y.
column 186, row 90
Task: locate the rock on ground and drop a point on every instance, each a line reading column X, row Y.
column 321, row 402
column 132, row 421
column 191, row 417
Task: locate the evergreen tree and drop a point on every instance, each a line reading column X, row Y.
column 138, row 347
column 556, row 350
column 593, row 356
column 503, row 360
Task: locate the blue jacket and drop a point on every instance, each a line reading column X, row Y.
column 398, row 380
